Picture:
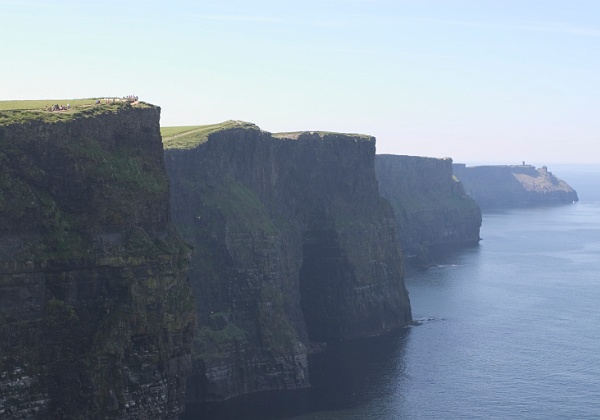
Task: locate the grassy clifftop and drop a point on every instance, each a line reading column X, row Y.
column 41, row 104
column 20, row 112
column 294, row 135
column 188, row 137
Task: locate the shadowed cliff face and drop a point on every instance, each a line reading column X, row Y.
column 95, row 310
column 431, row 207
column 351, row 274
column 513, row 186
column 292, row 244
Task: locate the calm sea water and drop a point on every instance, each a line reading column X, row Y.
column 510, row 329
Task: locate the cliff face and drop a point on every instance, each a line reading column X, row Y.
column 431, row 207
column 96, row 313
column 293, row 244
column 513, row 186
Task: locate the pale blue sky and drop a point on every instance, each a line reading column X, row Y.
column 496, row 81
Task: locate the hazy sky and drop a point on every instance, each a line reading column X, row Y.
column 476, row 80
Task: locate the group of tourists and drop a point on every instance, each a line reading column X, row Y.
column 57, row 107
column 128, row 98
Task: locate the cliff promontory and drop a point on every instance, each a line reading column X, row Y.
column 96, row 311
column 292, row 246
column 430, row 205
column 513, row 186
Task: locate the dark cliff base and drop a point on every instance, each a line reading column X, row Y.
column 432, row 210
column 95, row 308
column 292, row 245
column 513, row 186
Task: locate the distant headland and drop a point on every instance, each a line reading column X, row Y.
column 513, row 185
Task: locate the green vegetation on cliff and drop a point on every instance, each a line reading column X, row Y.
column 93, row 277
column 292, row 243
column 294, row 135
column 43, row 104
column 118, row 164
column 430, row 204
column 33, row 157
column 230, row 212
column 190, row 137
column 167, row 132
column 20, row 112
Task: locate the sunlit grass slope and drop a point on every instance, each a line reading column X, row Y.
column 189, row 137
column 43, row 104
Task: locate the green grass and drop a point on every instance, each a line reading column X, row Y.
column 167, row 132
column 191, row 136
column 295, row 134
column 20, row 112
column 188, row 137
column 119, row 165
column 43, row 104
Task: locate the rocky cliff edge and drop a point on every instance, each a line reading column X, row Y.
column 292, row 246
column 96, row 312
column 431, row 207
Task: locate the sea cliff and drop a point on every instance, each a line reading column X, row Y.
column 293, row 246
column 96, row 313
column 513, row 185
column 430, row 206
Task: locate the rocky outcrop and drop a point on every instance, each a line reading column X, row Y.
column 513, row 186
column 96, row 313
column 430, row 205
column 292, row 245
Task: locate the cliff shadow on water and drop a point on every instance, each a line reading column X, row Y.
column 293, row 246
column 350, row 377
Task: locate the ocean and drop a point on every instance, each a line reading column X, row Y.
column 509, row 329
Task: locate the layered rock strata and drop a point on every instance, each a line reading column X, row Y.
column 430, row 206
column 513, row 186
column 292, row 245
column 96, row 313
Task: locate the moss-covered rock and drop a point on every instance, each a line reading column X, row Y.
column 95, row 305
column 292, row 244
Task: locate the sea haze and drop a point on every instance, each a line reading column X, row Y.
column 509, row 329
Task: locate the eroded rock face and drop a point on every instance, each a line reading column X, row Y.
column 513, row 186
column 96, row 312
column 431, row 207
column 292, row 245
